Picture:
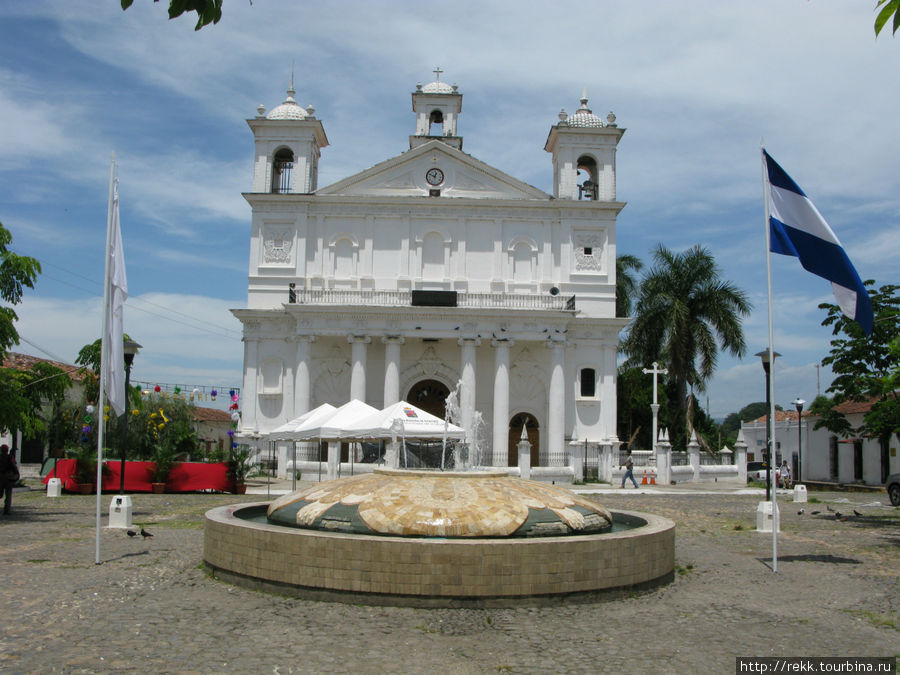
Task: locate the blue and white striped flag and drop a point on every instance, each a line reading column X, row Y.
column 797, row 228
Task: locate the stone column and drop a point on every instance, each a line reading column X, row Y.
column 392, row 368
column 302, row 389
column 605, row 462
column 251, row 373
column 467, row 391
column 693, row 449
column 556, row 413
column 663, row 460
column 524, row 449
column 392, row 454
column 358, row 369
column 577, row 451
column 334, row 460
column 740, row 456
column 500, row 445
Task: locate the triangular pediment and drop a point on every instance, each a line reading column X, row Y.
column 460, row 175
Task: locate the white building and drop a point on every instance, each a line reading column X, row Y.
column 431, row 269
column 826, row 457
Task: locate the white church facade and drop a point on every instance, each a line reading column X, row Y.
column 433, row 271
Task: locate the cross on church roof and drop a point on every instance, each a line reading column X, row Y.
column 437, row 73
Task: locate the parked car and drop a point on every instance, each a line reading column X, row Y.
column 756, row 471
column 892, row 485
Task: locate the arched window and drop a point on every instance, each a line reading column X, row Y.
column 436, row 123
column 282, row 171
column 588, row 383
column 430, row 396
column 533, row 433
column 587, row 177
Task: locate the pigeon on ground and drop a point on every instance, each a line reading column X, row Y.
column 815, row 513
column 130, row 533
column 800, row 512
column 856, row 513
column 828, row 508
column 838, row 515
column 145, row 534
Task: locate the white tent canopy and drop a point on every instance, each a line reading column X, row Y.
column 287, row 431
column 402, row 420
column 332, row 427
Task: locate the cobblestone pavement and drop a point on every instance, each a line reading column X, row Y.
column 150, row 606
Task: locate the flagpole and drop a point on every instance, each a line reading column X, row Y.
column 770, row 381
column 104, row 349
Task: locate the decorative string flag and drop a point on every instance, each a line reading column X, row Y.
column 798, row 229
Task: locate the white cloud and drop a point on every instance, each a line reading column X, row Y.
column 183, row 336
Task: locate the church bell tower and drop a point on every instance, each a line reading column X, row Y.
column 584, row 155
column 437, row 106
column 289, row 141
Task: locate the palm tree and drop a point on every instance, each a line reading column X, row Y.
column 685, row 313
column 626, row 282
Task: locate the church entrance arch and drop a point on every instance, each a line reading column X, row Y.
column 430, row 396
column 530, row 423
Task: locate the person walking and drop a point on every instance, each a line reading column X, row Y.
column 9, row 476
column 784, row 475
column 629, row 469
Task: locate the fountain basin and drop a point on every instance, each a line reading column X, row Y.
column 435, row 571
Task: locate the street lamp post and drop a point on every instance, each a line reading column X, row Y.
column 130, row 348
column 798, row 404
column 770, row 444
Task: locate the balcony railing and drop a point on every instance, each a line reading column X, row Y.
column 375, row 298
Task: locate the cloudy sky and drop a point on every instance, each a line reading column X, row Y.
column 697, row 86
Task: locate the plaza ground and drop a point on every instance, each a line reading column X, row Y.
column 150, row 606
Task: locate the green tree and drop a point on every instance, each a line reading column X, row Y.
column 25, row 393
column 634, row 394
column 685, row 313
column 866, row 367
column 732, row 423
column 16, row 273
column 208, row 11
column 626, row 282
column 89, row 358
column 161, row 423
column 889, row 9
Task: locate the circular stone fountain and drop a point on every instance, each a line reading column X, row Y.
column 430, row 538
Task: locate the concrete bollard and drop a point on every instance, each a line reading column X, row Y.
column 764, row 517
column 120, row 511
column 54, row 487
column 800, row 493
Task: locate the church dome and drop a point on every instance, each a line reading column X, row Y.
column 437, row 87
column 584, row 117
column 289, row 109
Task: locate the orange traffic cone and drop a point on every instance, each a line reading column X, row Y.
column 653, row 478
column 644, row 479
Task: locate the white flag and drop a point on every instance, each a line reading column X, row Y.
column 118, row 293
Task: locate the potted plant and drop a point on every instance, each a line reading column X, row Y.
column 164, row 458
column 85, row 470
column 239, row 467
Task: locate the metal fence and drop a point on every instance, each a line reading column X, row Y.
column 639, row 458
column 709, row 459
column 680, row 459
